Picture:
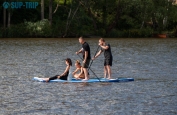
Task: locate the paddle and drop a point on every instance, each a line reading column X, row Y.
column 92, row 60
column 90, row 69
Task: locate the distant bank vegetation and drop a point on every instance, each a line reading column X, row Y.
column 106, row 18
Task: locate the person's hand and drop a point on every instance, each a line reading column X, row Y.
column 77, row 53
column 84, row 61
column 93, row 58
column 100, row 44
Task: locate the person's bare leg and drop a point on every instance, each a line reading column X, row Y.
column 86, row 74
column 82, row 76
column 109, row 71
column 46, row 79
column 105, row 72
column 76, row 76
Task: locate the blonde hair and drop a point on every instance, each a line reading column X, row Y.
column 78, row 62
column 101, row 39
column 81, row 38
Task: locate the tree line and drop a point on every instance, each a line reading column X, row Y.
column 73, row 18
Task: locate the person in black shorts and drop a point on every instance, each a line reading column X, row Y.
column 64, row 75
column 106, row 48
column 85, row 50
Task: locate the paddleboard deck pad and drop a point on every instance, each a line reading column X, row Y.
column 88, row 81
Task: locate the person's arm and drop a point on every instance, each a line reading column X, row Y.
column 104, row 47
column 97, row 54
column 66, row 70
column 86, row 55
column 79, row 51
column 75, row 71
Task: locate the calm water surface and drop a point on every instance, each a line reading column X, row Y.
column 151, row 62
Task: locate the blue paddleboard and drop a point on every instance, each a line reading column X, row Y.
column 88, row 81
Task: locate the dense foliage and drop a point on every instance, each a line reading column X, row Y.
column 107, row 18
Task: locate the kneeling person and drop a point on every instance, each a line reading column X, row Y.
column 79, row 75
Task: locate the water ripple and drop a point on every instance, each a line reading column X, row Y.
column 151, row 62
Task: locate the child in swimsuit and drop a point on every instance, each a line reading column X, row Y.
column 79, row 75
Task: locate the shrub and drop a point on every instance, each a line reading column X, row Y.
column 28, row 29
column 38, row 29
column 18, row 30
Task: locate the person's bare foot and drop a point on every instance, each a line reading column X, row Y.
column 104, row 76
column 77, row 78
column 85, row 79
column 58, row 77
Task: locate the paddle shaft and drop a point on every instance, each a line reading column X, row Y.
column 94, row 56
column 90, row 69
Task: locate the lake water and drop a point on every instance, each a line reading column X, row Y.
column 151, row 62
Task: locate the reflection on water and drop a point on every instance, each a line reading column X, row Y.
column 151, row 62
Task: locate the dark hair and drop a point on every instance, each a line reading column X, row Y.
column 69, row 61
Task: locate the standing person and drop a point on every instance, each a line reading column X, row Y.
column 64, row 75
column 85, row 50
column 106, row 48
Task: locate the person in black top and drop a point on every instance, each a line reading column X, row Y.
column 106, row 48
column 64, row 75
column 85, row 50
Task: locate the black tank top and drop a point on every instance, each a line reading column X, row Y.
column 67, row 73
column 64, row 77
